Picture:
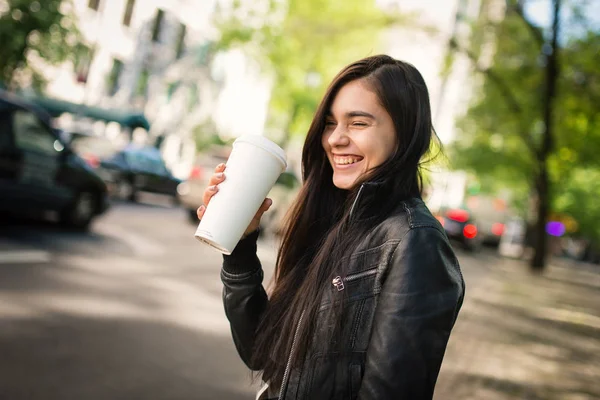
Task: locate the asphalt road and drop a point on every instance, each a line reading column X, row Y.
column 131, row 310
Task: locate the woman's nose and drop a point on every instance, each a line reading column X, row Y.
column 339, row 137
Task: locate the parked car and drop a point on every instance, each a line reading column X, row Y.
column 136, row 169
column 92, row 148
column 39, row 172
column 190, row 191
column 127, row 170
column 461, row 227
column 491, row 214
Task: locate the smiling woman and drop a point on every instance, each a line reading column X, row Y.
column 359, row 134
column 366, row 288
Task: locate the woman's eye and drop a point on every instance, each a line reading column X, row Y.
column 359, row 124
column 330, row 123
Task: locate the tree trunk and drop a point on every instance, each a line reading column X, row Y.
column 540, row 238
column 538, row 263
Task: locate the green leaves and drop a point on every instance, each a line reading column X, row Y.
column 501, row 133
column 34, row 32
column 300, row 40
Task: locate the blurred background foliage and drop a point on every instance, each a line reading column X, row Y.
column 501, row 135
column 302, row 44
column 34, row 34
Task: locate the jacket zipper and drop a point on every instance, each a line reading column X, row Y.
column 355, row 202
column 289, row 361
column 338, row 281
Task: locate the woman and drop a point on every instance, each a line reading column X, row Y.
column 366, row 285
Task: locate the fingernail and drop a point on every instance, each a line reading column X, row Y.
column 219, row 175
column 201, row 208
column 220, row 165
column 213, row 188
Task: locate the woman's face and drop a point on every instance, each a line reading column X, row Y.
column 359, row 134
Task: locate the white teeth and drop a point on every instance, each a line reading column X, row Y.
column 345, row 160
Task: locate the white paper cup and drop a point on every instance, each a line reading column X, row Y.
column 252, row 169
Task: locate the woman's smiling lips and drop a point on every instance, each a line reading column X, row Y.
column 345, row 161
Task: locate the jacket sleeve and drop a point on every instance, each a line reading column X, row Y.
column 416, row 310
column 244, row 297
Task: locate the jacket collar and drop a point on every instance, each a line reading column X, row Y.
column 368, row 193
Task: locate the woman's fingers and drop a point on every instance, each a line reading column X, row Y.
column 220, row 168
column 200, row 211
column 264, row 207
column 266, row 204
column 209, row 193
column 218, row 176
column 214, row 181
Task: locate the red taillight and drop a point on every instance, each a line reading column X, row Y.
column 470, row 231
column 498, row 229
column 92, row 160
column 441, row 219
column 196, row 173
column 458, row 215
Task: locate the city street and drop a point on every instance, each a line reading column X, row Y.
column 488, row 108
column 131, row 310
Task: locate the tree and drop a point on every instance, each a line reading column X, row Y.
column 533, row 120
column 33, row 33
column 302, row 44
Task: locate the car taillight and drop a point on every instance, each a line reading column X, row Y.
column 470, row 231
column 196, row 173
column 498, row 229
column 92, row 160
column 458, row 215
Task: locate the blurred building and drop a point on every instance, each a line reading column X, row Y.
column 156, row 56
column 130, row 43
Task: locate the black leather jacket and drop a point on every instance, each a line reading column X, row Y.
column 404, row 288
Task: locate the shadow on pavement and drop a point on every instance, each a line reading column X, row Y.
column 48, row 235
column 57, row 356
column 526, row 337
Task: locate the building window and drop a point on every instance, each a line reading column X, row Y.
column 114, row 76
column 128, row 12
column 180, row 46
column 83, row 62
column 94, row 4
column 158, row 19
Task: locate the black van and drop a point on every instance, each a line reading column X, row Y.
column 39, row 172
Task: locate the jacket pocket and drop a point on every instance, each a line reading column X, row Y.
column 340, row 283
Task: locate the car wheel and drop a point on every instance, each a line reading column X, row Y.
column 125, row 190
column 81, row 212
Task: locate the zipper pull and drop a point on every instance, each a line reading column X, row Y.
column 338, row 283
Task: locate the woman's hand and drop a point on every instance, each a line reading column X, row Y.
column 213, row 188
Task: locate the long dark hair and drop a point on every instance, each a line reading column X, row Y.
column 319, row 228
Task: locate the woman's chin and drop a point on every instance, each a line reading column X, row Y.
column 344, row 183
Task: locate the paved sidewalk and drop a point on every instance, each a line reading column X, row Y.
column 527, row 337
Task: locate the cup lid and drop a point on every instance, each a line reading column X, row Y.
column 265, row 144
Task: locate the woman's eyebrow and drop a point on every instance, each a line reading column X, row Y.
column 351, row 114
